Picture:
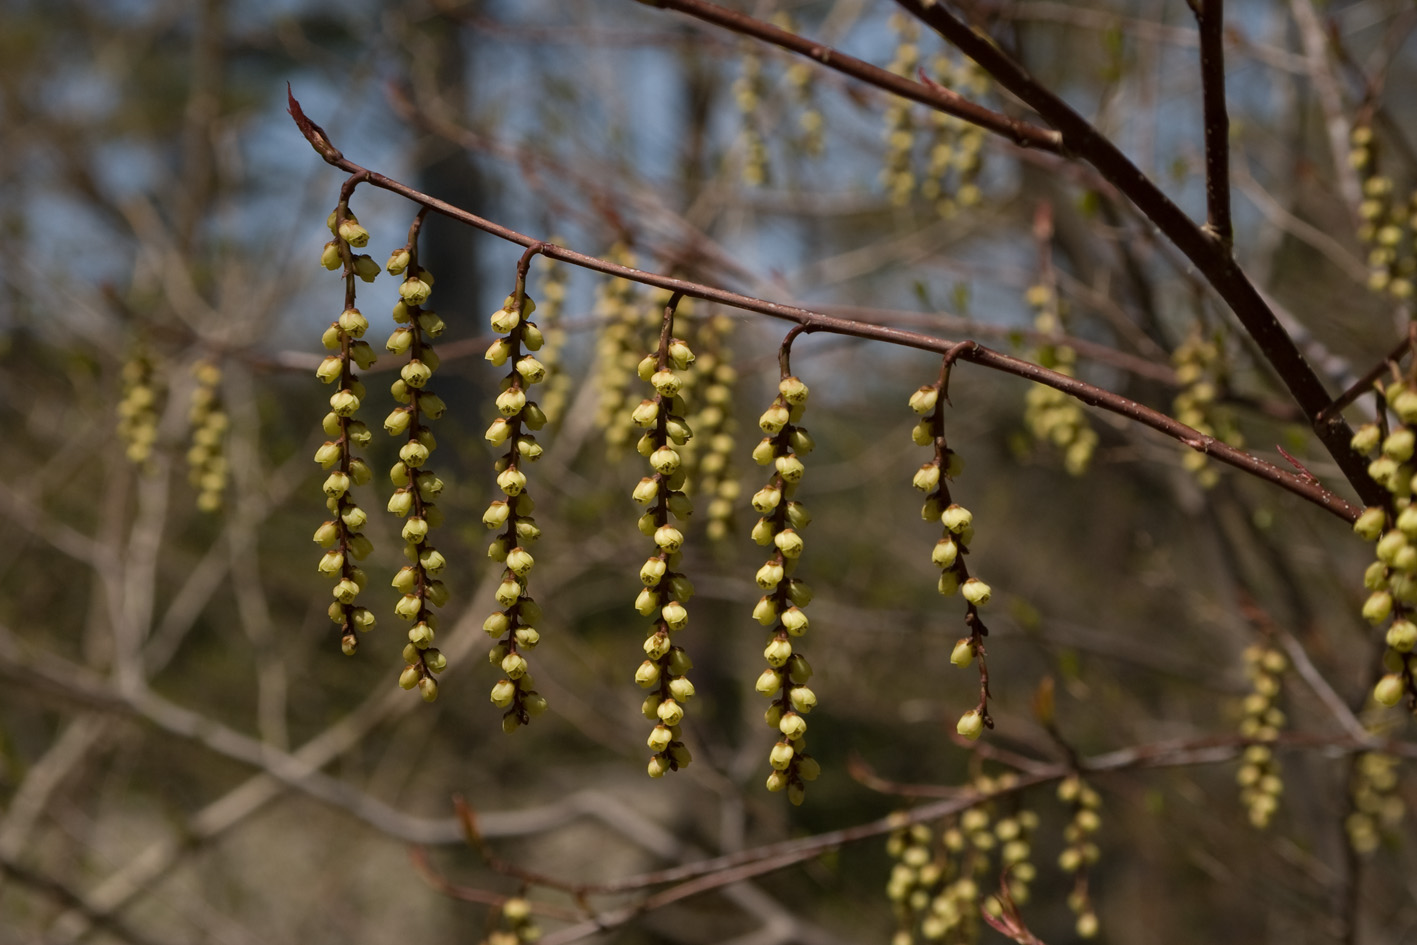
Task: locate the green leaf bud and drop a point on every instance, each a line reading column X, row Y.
column 681, row 689
column 665, row 460
column 803, row 700
column 647, row 602
column 520, row 561
column 680, row 588
column 923, row 400
column 648, row 674
column 976, row 592
column 353, row 322
column 511, row 481
column 675, row 615
column 1389, row 690
column 770, row 575
column 780, row 756
column 1371, row 522
column 409, row 677
column 330, row 256
column 774, row 419
column 511, row 401
column 360, row 472
column 366, row 268
column 336, row 484
column 777, row 652
column 970, row 725
column 793, row 390
column 428, row 689
column 799, row 593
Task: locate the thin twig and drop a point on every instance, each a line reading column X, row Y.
column 1210, row 18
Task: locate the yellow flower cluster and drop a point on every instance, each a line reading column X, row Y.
column 341, row 535
column 1050, row 415
column 955, row 145
column 514, row 626
column 898, row 163
column 555, row 397
column 623, row 320
column 206, row 460
column 749, row 89
column 137, row 408
column 666, row 590
column 1200, row 365
column 1259, row 777
column 1377, row 803
column 781, row 606
column 712, row 475
column 416, row 485
column 516, row 926
column 1388, row 224
column 1080, row 851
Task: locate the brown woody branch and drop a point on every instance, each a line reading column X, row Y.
column 816, row 321
column 1210, row 18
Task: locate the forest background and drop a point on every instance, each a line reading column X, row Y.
column 186, row 755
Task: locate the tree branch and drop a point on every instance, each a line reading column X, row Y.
column 1210, row 18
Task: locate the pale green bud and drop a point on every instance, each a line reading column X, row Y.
column 532, row 337
column 1399, row 444
column 659, row 738
column 794, row 621
column 428, row 689
column 789, row 543
column 774, row 419
column 329, row 369
column 933, row 508
column 777, row 781
column 413, row 454
column 762, row 532
column 927, row 477
column 680, row 354
column 647, row 602
column 777, row 652
column 511, row 401
column 769, row 681
column 675, row 615
column 327, row 534
column 668, row 538
column 528, row 637
column 506, row 318
column 645, row 414
column 1402, row 636
column 498, row 352
column 681, row 689
column 808, row 769
column 496, row 624
column 680, row 505
column 330, row 256
column 511, row 481
column 416, row 373
column 770, row 575
column 665, row 460
column 957, row 518
column 799, row 593
column 948, row 584
column 398, row 262
column 431, row 323
column 498, row 432
column 652, row 571
column 790, row 468
column 765, row 611
column 1404, row 405
column 1378, row 607
column 344, row 402
column 336, row 484
column 432, row 560
column 331, row 337
column 963, row 653
column 436, row 592
column 646, row 368
column 793, row 390
column 360, row 472
column 657, row 645
column 362, row 619
column 514, row 665
column 409, row 677
column 414, row 291
column 970, row 725
column 923, row 400
column 421, row 635
column 497, row 514
column 353, row 322
column 667, row 383
column 803, row 700
column 408, row 606
column 359, row 546
column 352, row 233
column 658, row 766
column 401, row 503
column 976, row 591
column 798, row 669
column 648, row 674
column 680, row 588
column 345, row 591
column 646, row 445
column 399, row 341
column 945, row 553
column 503, row 693
column 508, row 591
column 328, row 454
column 1371, row 522
column 780, row 756
column 1389, row 690
column 678, row 430
column 646, row 491
column 766, row 499
column 1390, row 545
column 798, row 516
column 520, row 561
column 405, row 579
column 801, row 441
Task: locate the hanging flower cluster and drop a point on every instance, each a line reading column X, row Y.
column 1259, row 777
column 749, row 90
column 713, row 474
column 897, row 171
column 515, row 924
column 137, row 407
column 416, row 485
column 1389, row 225
column 1378, row 809
column 1081, row 851
column 341, row 535
column 664, row 671
column 955, row 145
column 514, row 626
column 206, row 460
column 1200, row 365
column 953, row 546
column 555, row 395
column 1050, row 415
column 622, row 321
column 781, row 607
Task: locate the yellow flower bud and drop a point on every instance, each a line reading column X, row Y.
column 976, row 591
column 793, row 390
column 645, row 414
column 668, row 538
column 648, row 674
column 780, row 756
column 415, row 373
column 803, row 700
column 366, row 268
column 675, row 615
column 970, row 725
column 336, row 484
column 790, row 468
column 511, row 481
column 667, row 383
column 647, row 602
column 409, row 677
column 511, row 401
column 428, row 689
column 353, row 322
column 658, row 766
column 770, row 575
column 520, row 561
column 774, row 419
column 508, row 591
column 923, row 400
column 1377, row 607
column 665, row 460
column 330, row 256
column 329, row 369
column 1389, row 690
column 652, row 571
column 777, row 652
column 765, row 611
column 957, row 518
column 506, row 318
column 660, row 737
column 766, row 499
column 1371, row 522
